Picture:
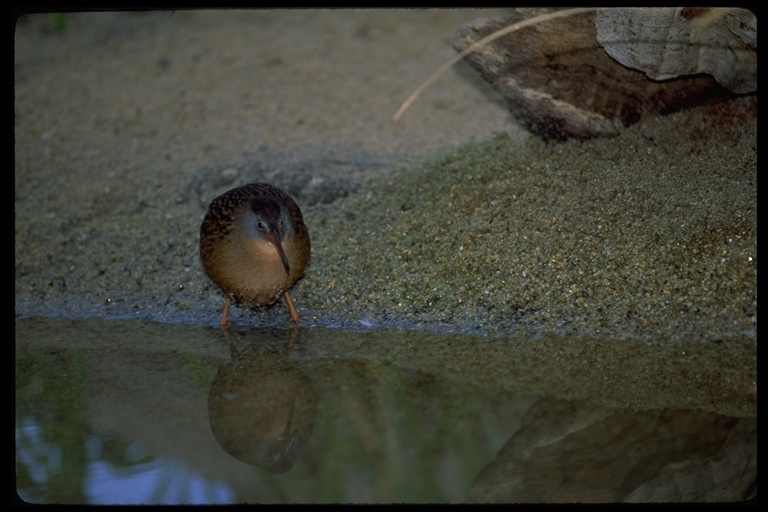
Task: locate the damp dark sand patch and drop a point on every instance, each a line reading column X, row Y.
column 645, row 236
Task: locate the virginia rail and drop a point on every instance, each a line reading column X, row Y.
column 254, row 245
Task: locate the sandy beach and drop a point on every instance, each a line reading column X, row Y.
column 128, row 124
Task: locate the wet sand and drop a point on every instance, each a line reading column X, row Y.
column 128, row 124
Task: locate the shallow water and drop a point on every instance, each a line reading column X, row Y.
column 141, row 412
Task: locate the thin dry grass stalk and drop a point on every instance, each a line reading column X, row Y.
column 477, row 45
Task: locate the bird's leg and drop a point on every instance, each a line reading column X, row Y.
column 233, row 351
column 292, row 337
column 291, row 308
column 224, row 314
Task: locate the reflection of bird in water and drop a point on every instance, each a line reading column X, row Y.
column 254, row 245
column 261, row 407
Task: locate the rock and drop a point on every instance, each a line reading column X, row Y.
column 561, row 83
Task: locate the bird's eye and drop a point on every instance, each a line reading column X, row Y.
column 261, row 225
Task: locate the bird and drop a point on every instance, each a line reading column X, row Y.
column 254, row 245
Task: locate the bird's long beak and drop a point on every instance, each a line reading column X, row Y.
column 274, row 238
column 289, row 434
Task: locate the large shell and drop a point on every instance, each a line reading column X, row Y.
column 669, row 42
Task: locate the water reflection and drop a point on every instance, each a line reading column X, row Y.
column 261, row 406
column 113, row 473
column 569, row 452
column 136, row 412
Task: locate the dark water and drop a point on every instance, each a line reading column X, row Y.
column 139, row 412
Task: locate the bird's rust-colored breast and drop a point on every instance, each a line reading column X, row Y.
column 247, row 269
